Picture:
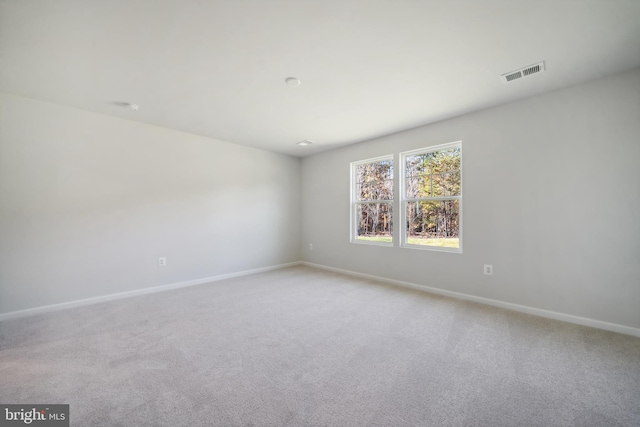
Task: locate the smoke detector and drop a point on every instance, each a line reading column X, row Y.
column 523, row 72
column 292, row 81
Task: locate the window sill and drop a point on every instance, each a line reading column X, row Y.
column 369, row 243
column 432, row 248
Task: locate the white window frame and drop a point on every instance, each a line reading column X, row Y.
column 353, row 228
column 404, row 200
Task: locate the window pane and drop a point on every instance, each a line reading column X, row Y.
column 363, row 191
column 384, row 169
column 419, row 176
column 419, row 164
column 435, row 174
column 382, row 190
column 375, row 171
column 434, row 223
column 418, row 186
column 374, row 222
column 446, row 184
column 388, row 190
column 374, row 181
column 361, row 173
column 446, row 160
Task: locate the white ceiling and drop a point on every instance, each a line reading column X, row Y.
column 368, row 67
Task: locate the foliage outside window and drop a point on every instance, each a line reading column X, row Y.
column 372, row 201
column 432, row 197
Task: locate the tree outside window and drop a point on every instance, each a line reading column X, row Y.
column 432, row 197
column 372, row 201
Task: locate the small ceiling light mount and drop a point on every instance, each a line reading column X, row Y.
column 292, row 81
column 128, row 105
column 304, row 142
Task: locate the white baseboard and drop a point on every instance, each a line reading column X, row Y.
column 584, row 321
column 137, row 292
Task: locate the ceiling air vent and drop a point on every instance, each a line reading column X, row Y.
column 523, row 72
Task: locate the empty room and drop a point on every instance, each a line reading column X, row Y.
column 320, row 213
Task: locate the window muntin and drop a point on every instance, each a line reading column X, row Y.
column 432, row 198
column 372, row 201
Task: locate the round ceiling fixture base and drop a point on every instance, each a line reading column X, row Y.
column 292, row 81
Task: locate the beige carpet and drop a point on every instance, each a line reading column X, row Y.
column 304, row 347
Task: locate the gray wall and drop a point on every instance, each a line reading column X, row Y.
column 88, row 203
column 551, row 198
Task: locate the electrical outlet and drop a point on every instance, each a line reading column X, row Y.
column 488, row 270
column 310, row 246
column 162, row 261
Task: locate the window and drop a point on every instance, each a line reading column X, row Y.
column 432, row 198
column 372, row 201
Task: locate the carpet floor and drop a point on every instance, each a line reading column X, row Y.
column 305, row 347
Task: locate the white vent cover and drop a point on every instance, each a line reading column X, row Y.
column 523, row 72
